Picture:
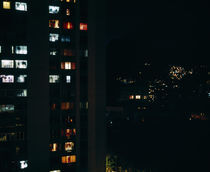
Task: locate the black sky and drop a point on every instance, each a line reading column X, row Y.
column 165, row 31
column 170, row 31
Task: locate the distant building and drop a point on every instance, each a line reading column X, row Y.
column 172, row 89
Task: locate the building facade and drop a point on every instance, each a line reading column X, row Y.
column 13, row 84
column 43, row 85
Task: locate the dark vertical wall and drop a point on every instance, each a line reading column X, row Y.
column 38, row 90
column 96, row 85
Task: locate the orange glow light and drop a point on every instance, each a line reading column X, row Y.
column 68, row 159
column 67, row 25
column 83, row 26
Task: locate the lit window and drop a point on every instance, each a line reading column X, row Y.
column 54, row 9
column 68, row 65
column 131, row 97
column 199, row 116
column 21, row 50
column 53, row 52
column 54, row 23
column 65, row 65
column 70, row 132
column 73, row 66
column 151, row 96
column 21, row 64
column 6, row 5
column 83, row 26
column 23, row 164
column 22, row 93
column 21, row 78
column 56, row 171
column 86, row 53
column 53, row 37
column 68, row 79
column 54, row 78
column 68, row 12
column 21, row 6
column 177, row 72
column 145, row 97
column 7, row 63
column 69, row 146
column 66, row 105
column 53, row 106
column 138, row 97
column 0, row 49
column 65, row 38
column 13, row 50
column 86, row 105
column 68, row 159
column 6, row 78
column 53, row 147
column 67, row 25
column 67, row 0
column 74, row 132
column 7, row 108
column 67, row 52
column 3, row 138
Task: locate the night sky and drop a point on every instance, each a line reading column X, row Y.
column 170, row 31
column 166, row 32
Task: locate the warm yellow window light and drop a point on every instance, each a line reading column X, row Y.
column 68, row 159
column 6, row 5
column 138, row 96
column 54, row 23
column 145, row 97
column 54, row 147
column 68, row 12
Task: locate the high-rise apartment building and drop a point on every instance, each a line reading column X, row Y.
column 13, row 85
column 43, row 85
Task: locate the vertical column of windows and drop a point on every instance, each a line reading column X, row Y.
column 68, row 67
column 54, row 81
column 13, row 78
column 61, row 25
